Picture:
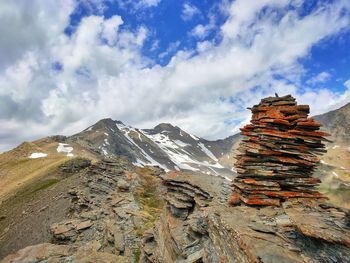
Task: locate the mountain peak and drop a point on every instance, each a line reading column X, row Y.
column 165, row 127
column 107, row 122
column 104, row 122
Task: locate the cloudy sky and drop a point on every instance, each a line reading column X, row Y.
column 197, row 63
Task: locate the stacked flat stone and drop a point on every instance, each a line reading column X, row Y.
column 278, row 154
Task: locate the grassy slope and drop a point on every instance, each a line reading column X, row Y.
column 26, row 214
column 17, row 170
column 335, row 174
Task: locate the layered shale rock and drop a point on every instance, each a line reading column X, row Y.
column 278, row 154
column 209, row 231
column 181, row 234
column 301, row 230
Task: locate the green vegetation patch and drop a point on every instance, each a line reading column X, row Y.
column 149, row 199
column 35, row 187
column 137, row 255
column 43, row 185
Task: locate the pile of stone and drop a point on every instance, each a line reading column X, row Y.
column 278, row 154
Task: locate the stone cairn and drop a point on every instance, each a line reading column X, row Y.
column 278, row 154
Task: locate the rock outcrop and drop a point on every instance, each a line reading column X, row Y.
column 278, row 154
column 300, row 230
column 181, row 234
column 103, row 222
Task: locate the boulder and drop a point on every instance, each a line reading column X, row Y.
column 123, row 185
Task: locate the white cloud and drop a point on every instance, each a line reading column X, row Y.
column 149, row 3
column 320, row 78
column 30, row 26
column 189, row 11
column 202, row 31
column 104, row 73
column 110, row 28
column 136, row 5
column 170, row 49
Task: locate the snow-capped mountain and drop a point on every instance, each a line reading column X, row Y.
column 165, row 145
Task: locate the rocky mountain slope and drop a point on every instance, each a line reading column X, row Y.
column 105, row 206
column 337, row 122
column 165, row 145
column 117, row 214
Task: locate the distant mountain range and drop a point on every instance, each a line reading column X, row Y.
column 166, row 146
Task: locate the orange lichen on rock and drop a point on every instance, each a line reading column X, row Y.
column 278, row 154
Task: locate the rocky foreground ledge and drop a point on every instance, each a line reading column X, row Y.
column 108, row 223
column 109, row 212
column 210, row 231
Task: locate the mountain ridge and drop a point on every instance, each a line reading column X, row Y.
column 337, row 122
column 165, row 145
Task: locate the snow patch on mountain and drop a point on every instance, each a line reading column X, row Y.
column 126, row 130
column 64, row 148
column 180, row 156
column 207, row 152
column 193, row 137
column 37, row 155
column 180, row 143
column 165, row 145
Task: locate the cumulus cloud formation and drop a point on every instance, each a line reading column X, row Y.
column 102, row 71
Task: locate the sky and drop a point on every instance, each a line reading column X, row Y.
column 197, row 64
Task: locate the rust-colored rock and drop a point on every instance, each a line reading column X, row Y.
column 278, row 154
column 234, row 199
